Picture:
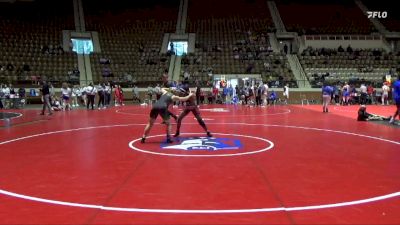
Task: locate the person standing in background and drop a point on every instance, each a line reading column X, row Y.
column 230, row 94
column 52, row 90
column 1, row 96
column 91, row 94
column 101, row 94
column 83, row 95
column 198, row 93
column 107, row 94
column 396, row 99
column 363, row 94
column 370, row 93
column 75, row 93
column 46, row 98
column 265, row 94
column 326, row 97
column 385, row 94
column 136, row 95
column 345, row 94
column 336, row 94
column 121, row 94
column 286, row 93
column 66, row 96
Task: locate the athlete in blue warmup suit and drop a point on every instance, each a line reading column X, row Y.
column 396, row 98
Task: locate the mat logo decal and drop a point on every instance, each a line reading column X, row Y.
column 203, row 143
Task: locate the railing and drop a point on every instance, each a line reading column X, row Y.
column 299, row 68
column 342, row 37
column 302, row 78
column 302, row 83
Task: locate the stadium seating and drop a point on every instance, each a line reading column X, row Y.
column 324, row 17
column 34, row 41
column 359, row 65
column 131, row 36
column 232, row 42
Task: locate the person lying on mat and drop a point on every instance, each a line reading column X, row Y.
column 363, row 115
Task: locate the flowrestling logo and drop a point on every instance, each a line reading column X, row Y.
column 203, row 143
column 377, row 14
column 197, row 145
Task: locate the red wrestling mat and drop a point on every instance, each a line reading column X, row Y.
column 20, row 117
column 273, row 165
column 351, row 110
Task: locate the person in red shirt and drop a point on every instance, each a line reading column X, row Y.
column 117, row 95
column 121, row 95
column 215, row 93
column 370, row 92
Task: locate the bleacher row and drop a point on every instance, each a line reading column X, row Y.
column 30, row 42
column 235, row 45
column 324, row 17
column 131, row 39
column 334, row 66
column 231, row 41
column 227, row 41
column 132, row 53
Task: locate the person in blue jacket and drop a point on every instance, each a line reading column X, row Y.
column 327, row 91
column 272, row 98
column 396, row 98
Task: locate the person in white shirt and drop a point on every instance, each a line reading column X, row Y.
column 91, row 94
column 2, row 96
column 107, row 96
column 135, row 92
column 286, row 93
column 75, row 93
column 6, row 91
column 363, row 94
column 52, row 90
column 83, row 95
column 345, row 93
column 385, row 94
column 101, row 93
column 66, row 95
column 251, row 98
column 265, row 94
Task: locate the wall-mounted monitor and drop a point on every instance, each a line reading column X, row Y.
column 178, row 47
column 82, row 46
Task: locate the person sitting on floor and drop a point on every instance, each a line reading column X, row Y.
column 272, row 98
column 363, row 115
column 56, row 104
